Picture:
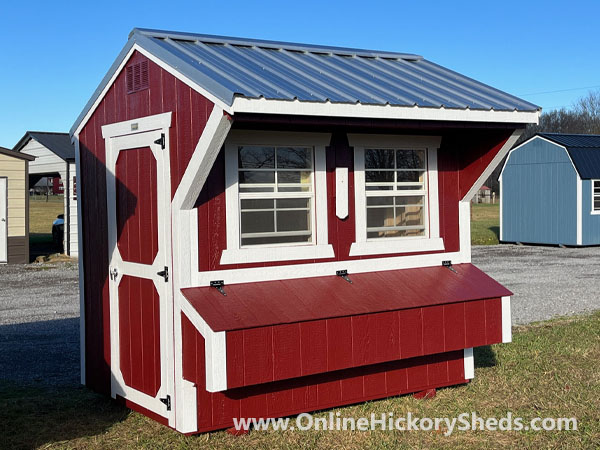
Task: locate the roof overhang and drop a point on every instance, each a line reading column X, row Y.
column 14, row 154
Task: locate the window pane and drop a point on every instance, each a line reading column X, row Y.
column 380, row 217
column 293, row 177
column 410, row 159
column 375, row 201
column 293, row 203
column 294, row 158
column 266, row 240
column 409, row 216
column 379, row 176
column 257, row 222
column 293, row 220
column 256, row 158
column 410, row 176
column 379, row 159
column 597, row 204
column 257, row 177
column 257, row 204
column 409, row 200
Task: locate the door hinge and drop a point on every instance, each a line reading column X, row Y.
column 344, row 275
column 167, row 402
column 218, row 285
column 161, row 141
column 164, row 274
column 448, row 264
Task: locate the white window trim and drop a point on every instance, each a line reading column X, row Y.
column 594, row 211
column 432, row 240
column 234, row 254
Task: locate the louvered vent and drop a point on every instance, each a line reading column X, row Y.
column 137, row 76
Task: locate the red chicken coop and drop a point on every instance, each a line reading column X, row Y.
column 272, row 228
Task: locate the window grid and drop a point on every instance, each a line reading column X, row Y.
column 596, row 195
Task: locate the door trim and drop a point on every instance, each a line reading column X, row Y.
column 122, row 136
column 5, row 261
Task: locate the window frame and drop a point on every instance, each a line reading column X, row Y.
column 319, row 248
column 594, row 211
column 403, row 244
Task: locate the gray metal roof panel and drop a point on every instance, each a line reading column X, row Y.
column 230, row 67
column 58, row 143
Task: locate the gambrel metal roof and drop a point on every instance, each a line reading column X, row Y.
column 584, row 150
column 230, row 68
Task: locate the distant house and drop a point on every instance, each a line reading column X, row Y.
column 550, row 191
column 14, row 207
column 55, row 157
column 484, row 195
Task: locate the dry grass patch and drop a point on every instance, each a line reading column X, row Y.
column 485, row 224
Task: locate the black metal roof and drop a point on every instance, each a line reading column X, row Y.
column 58, row 143
column 584, row 150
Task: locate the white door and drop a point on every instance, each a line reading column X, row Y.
column 4, row 220
column 139, row 229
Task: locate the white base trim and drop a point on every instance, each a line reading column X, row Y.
column 579, row 210
column 389, row 246
column 469, row 364
column 506, row 320
column 283, row 253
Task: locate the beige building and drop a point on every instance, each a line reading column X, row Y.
column 14, row 207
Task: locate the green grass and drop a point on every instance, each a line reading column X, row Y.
column 41, row 216
column 485, row 224
column 550, row 370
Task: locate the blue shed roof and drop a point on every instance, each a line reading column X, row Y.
column 228, row 68
column 584, row 150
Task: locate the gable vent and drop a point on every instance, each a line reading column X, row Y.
column 137, row 76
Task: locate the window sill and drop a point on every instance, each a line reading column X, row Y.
column 268, row 254
column 386, row 247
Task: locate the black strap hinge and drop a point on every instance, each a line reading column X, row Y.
column 164, row 274
column 344, row 275
column 448, row 264
column 161, row 141
column 218, row 285
column 167, row 402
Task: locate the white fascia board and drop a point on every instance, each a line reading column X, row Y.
column 116, row 69
column 493, row 164
column 358, row 110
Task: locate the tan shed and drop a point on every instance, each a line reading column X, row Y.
column 14, row 207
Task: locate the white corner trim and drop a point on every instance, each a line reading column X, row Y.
column 359, row 110
column 216, row 129
column 464, row 225
column 139, row 125
column 506, row 320
column 402, row 245
column 501, row 210
column 469, row 364
column 82, row 311
column 341, row 192
column 215, row 349
column 579, row 209
column 493, row 164
column 283, row 253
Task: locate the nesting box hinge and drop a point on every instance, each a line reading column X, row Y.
column 448, row 264
column 167, row 402
column 161, row 141
column 344, row 275
column 218, row 285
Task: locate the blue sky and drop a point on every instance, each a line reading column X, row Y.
column 55, row 53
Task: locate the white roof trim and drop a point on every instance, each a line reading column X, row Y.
column 358, row 110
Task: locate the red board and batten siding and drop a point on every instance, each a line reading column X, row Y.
column 190, row 114
column 460, row 162
column 313, row 392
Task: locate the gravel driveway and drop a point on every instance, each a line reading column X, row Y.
column 39, row 304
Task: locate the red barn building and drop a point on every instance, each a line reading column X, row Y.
column 271, row 228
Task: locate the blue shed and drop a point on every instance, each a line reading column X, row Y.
column 550, row 191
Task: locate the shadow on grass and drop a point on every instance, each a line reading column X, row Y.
column 485, row 356
column 41, row 244
column 33, row 416
column 496, row 231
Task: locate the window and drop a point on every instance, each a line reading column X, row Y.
column 276, row 197
column 596, row 196
column 396, row 204
column 395, row 192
